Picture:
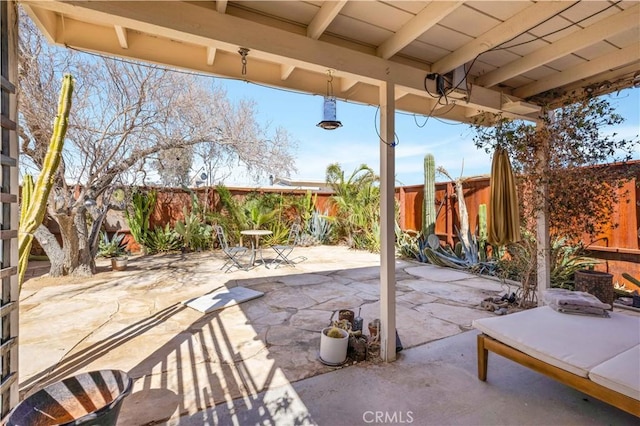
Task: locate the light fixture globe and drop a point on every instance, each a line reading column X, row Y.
column 329, row 121
column 329, row 125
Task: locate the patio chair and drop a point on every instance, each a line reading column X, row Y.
column 233, row 253
column 284, row 251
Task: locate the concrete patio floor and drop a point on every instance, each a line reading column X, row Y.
column 257, row 362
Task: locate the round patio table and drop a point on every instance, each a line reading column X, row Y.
column 255, row 243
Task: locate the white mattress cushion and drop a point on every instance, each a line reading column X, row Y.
column 575, row 343
column 621, row 373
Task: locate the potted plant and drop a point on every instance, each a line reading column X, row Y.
column 114, row 249
column 334, row 342
column 598, row 283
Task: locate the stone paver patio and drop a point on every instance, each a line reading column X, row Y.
column 184, row 362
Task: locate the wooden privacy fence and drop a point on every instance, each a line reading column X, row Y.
column 411, row 200
column 618, row 248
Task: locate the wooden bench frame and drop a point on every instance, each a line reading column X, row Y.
column 487, row 343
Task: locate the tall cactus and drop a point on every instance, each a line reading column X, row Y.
column 429, row 205
column 34, row 202
column 482, row 232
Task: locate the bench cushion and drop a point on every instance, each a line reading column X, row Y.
column 574, row 343
column 621, row 373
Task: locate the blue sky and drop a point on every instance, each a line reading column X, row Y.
column 357, row 141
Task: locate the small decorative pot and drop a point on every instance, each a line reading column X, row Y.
column 374, row 329
column 333, row 350
column 346, row 314
column 119, row 263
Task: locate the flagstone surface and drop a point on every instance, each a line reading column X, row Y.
column 184, row 362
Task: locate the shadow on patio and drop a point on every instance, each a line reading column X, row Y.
column 257, row 362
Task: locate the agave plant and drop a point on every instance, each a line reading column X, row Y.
column 196, row 234
column 162, row 240
column 114, row 247
column 320, row 226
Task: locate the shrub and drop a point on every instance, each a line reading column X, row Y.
column 162, row 240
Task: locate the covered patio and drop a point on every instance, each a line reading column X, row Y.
column 463, row 61
column 257, row 362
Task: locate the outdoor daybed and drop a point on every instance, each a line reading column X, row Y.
column 597, row 356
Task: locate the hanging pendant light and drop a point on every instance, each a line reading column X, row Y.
column 329, row 121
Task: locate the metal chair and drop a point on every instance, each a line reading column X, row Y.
column 284, row 251
column 233, row 253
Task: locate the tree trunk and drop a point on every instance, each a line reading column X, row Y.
column 53, row 250
column 86, row 263
column 76, row 255
column 70, row 241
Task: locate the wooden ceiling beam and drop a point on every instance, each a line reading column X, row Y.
column 512, row 27
column 418, row 25
column 347, row 84
column 286, row 71
column 221, row 6
column 602, row 64
column 595, row 33
column 45, row 20
column 211, row 55
column 201, row 27
column 325, row 16
column 121, row 33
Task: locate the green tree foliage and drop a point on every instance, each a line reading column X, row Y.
column 581, row 187
column 357, row 202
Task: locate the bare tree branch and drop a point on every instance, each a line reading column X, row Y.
column 123, row 115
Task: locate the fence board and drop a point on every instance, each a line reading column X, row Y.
column 613, row 246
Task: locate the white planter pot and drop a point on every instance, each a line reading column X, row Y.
column 333, row 350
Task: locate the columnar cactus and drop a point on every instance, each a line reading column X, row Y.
column 34, row 205
column 429, row 206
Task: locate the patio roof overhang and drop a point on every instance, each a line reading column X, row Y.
column 518, row 55
column 495, row 57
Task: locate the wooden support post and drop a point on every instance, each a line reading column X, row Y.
column 387, row 226
column 543, row 249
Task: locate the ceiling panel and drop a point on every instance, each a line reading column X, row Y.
column 566, row 62
column 524, row 45
column 625, row 38
column 379, row 14
column 298, row 12
column 479, row 67
column 501, row 10
column 467, row 21
column 498, row 57
column 625, row 4
column 516, row 82
column 445, row 38
column 583, row 13
column 413, row 7
column 359, row 31
column 595, row 50
column 554, row 29
column 425, row 52
column 539, row 73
